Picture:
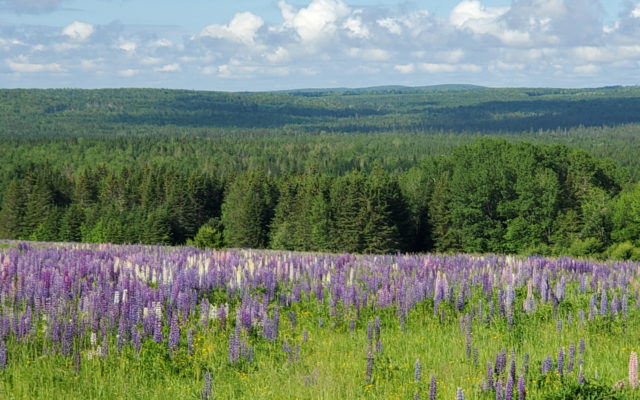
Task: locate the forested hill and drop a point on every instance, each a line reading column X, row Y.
column 385, row 109
column 387, row 169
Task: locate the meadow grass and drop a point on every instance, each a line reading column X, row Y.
column 332, row 362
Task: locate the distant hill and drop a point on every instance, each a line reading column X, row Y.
column 448, row 108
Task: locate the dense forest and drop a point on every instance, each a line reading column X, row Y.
column 449, row 169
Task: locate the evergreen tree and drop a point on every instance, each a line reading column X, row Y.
column 245, row 211
column 13, row 212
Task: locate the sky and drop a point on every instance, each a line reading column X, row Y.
column 257, row 45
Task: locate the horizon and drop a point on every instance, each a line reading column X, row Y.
column 291, row 44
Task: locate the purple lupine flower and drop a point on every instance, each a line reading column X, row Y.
column 499, row 390
column 377, row 328
column 572, row 358
column 547, row 365
column 581, row 347
column 206, row 390
column 369, row 333
column 3, row 355
column 250, row 354
column 190, row 340
column 512, row 365
column 231, row 351
column 292, row 319
column 581, row 379
column 625, row 306
column 459, row 394
column 104, row 351
column 417, row 371
column 369, row 370
column 559, row 325
column 508, row 390
column 503, row 361
column 468, row 345
column 432, row 388
column 614, row 305
column 603, row 303
column 475, row 356
column 136, row 340
column 489, row 376
column 561, row 361
column 522, row 392
column 581, row 317
column 174, row 334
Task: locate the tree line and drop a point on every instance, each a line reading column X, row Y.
column 489, row 196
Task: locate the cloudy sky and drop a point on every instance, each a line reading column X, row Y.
column 284, row 44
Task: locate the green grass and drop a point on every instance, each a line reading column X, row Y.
column 332, row 363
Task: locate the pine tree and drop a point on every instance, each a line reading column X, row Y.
column 13, row 211
column 245, row 211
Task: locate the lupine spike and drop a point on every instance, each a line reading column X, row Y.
column 633, row 370
column 432, row 388
column 522, row 392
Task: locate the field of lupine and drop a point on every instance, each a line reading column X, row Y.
column 104, row 322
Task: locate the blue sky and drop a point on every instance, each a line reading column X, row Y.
column 284, row 44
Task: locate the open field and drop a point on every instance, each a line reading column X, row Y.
column 103, row 321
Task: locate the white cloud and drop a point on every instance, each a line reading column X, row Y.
column 150, row 61
column 355, row 27
column 635, row 13
column 129, row 72
column 22, row 65
column 472, row 15
column 169, row 68
column 369, row 54
column 589, row 69
column 504, row 66
column 434, row 68
column 78, row 31
column 91, row 65
column 317, row 21
column 390, row 24
column 128, row 46
column 405, row 68
column 162, row 43
column 451, row 57
column 242, row 29
column 280, row 55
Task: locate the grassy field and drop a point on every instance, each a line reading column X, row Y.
column 149, row 322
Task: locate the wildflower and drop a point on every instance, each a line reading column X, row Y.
column 369, row 371
column 633, row 370
column 460, row 394
column 174, row 334
column 561, row 361
column 489, row 376
column 499, row 391
column 417, row 371
column 522, row 392
column 508, row 390
column 547, row 365
column 3, row 355
column 206, row 390
column 432, row 388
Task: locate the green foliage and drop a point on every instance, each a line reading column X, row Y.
column 209, row 236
